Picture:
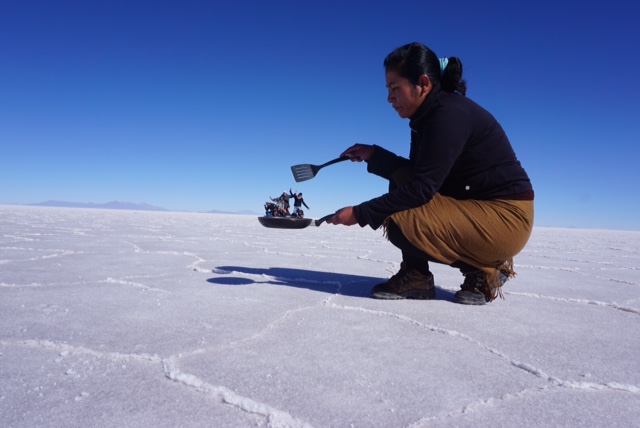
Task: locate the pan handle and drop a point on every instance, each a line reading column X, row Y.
column 319, row 221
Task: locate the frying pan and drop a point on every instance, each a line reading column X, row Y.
column 290, row 222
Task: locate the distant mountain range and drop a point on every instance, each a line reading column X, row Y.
column 115, row 205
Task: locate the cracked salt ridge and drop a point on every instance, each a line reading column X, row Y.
column 33, row 284
column 480, row 404
column 523, row 366
column 275, row 418
column 587, row 274
column 194, row 265
column 613, row 305
column 134, row 284
column 69, row 349
column 56, row 253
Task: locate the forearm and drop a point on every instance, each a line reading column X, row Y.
column 384, row 163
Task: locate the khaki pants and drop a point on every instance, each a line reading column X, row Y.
column 483, row 234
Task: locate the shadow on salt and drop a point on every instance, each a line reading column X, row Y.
column 328, row 282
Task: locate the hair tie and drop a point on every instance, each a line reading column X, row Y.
column 443, row 64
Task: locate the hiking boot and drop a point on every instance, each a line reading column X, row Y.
column 406, row 284
column 474, row 291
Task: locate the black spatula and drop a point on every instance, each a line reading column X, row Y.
column 304, row 172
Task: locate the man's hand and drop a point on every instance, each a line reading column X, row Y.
column 343, row 216
column 359, row 152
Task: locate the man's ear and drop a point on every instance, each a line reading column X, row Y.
column 424, row 83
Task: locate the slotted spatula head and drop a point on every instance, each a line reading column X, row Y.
column 305, row 171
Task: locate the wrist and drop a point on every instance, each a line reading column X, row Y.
column 357, row 213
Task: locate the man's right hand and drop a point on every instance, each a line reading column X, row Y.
column 359, row 152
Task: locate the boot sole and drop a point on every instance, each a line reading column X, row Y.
column 468, row 298
column 416, row 295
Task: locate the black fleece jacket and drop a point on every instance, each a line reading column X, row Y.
column 458, row 149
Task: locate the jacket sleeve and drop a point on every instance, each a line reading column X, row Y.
column 384, row 163
column 439, row 144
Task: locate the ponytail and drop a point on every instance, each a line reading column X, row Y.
column 451, row 79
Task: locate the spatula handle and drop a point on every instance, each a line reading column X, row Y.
column 340, row 159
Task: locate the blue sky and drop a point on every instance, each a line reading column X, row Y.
column 203, row 105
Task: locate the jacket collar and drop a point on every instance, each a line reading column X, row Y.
column 425, row 107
